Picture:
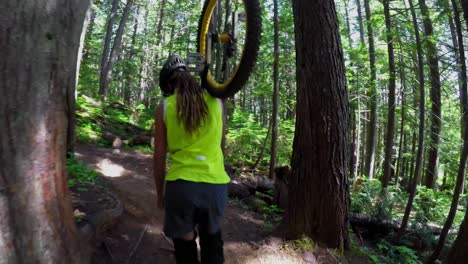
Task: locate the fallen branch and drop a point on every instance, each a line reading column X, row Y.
column 136, row 245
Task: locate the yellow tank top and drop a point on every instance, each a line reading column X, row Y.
column 197, row 157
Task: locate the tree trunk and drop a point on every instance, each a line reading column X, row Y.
column 433, row 61
column 391, row 99
column 465, row 11
column 38, row 71
column 158, row 36
column 127, row 93
column 72, row 94
column 458, row 254
column 107, row 42
column 108, row 67
column 320, row 154
column 419, row 155
column 402, row 144
column 361, row 133
column 262, row 151
column 274, row 115
column 464, row 152
column 361, row 26
column 372, row 97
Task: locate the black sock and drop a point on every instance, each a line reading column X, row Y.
column 211, row 247
column 186, row 251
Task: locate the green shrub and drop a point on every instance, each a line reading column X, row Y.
column 78, row 172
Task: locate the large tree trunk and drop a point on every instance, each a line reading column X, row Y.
column 274, row 115
column 433, row 61
column 106, row 77
column 320, row 154
column 39, row 42
column 464, row 152
column 372, row 97
column 391, row 99
column 419, row 155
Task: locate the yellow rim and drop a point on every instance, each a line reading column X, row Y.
column 204, row 30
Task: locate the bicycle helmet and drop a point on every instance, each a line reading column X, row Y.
column 173, row 63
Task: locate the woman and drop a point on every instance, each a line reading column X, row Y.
column 189, row 125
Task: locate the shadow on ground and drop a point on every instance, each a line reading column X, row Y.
column 138, row 237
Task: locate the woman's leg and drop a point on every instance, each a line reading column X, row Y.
column 211, row 247
column 210, row 221
column 178, row 223
column 186, row 249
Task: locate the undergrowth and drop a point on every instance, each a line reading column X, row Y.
column 78, row 172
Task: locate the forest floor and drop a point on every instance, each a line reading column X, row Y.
column 137, row 237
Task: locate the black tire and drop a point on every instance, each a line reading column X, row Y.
column 250, row 51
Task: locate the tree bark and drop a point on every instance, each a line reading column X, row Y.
column 108, row 67
column 320, row 154
column 274, row 115
column 39, row 42
column 458, row 254
column 372, row 97
column 127, row 93
column 465, row 11
column 158, row 36
column 361, row 25
column 419, row 155
column 433, row 61
column 464, row 152
column 391, row 99
column 402, row 145
column 72, row 94
column 107, row 41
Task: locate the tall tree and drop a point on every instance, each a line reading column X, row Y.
column 391, row 98
column 422, row 112
column 320, row 154
column 39, row 43
column 372, row 97
column 108, row 37
column 106, row 77
column 72, row 94
column 433, row 61
column 464, row 152
column 274, row 115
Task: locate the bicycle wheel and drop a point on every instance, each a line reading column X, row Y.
column 229, row 33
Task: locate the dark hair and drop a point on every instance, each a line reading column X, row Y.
column 191, row 107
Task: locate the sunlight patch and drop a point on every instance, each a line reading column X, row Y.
column 110, row 169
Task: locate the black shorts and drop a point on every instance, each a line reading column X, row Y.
column 188, row 204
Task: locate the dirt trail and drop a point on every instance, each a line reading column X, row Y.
column 130, row 177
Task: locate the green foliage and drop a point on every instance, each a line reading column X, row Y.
column 87, row 130
column 369, row 198
column 93, row 119
column 304, row 244
column 390, row 253
column 245, row 139
column 429, row 207
column 78, row 172
column 385, row 252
